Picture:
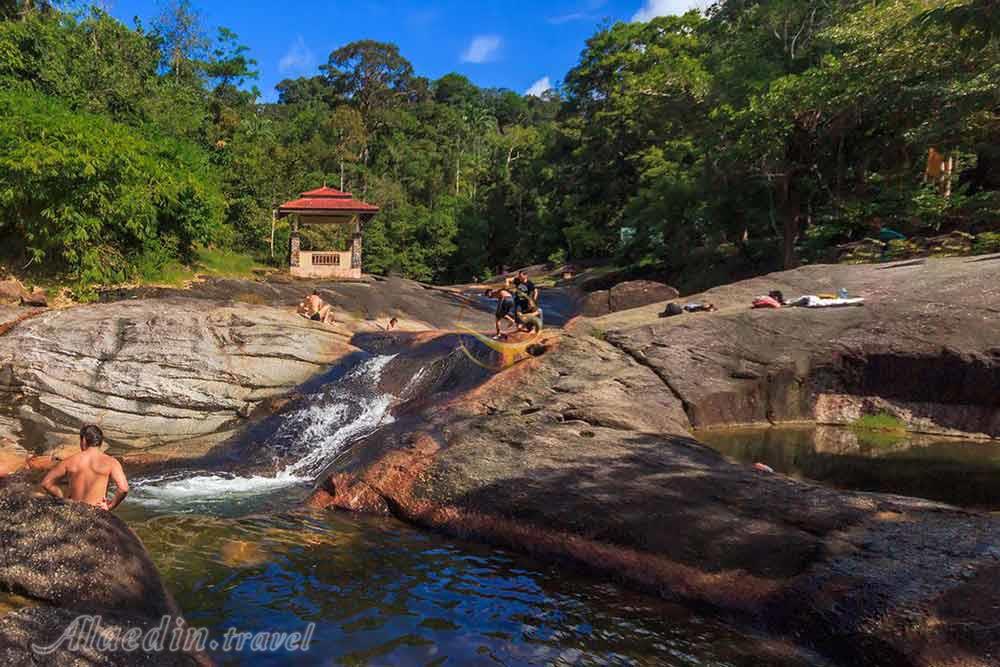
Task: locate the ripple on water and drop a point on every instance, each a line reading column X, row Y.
column 382, row 593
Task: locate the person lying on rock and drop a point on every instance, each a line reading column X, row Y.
column 505, row 309
column 313, row 307
column 700, row 307
column 774, row 299
column 89, row 472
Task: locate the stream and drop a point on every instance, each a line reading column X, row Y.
column 965, row 473
column 236, row 551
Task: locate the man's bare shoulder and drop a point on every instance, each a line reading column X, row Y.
column 74, row 461
column 103, row 463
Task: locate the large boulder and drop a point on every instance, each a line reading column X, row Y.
column 585, row 454
column 626, row 295
column 74, row 556
column 923, row 347
column 71, row 559
column 12, row 291
column 36, row 299
column 155, row 372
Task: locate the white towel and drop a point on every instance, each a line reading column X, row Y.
column 813, row 301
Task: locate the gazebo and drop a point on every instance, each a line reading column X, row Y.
column 326, row 206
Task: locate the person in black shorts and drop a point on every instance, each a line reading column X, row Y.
column 505, row 308
column 315, row 308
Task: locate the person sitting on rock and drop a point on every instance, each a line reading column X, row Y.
column 89, row 472
column 313, row 307
column 505, row 308
column 527, row 314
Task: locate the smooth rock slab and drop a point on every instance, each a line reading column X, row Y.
column 158, row 371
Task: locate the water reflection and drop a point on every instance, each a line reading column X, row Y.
column 960, row 472
column 381, row 593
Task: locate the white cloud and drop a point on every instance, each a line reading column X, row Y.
column 653, row 8
column 539, row 87
column 482, row 49
column 569, row 18
column 299, row 58
column 586, row 12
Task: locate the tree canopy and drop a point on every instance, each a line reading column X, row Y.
column 777, row 128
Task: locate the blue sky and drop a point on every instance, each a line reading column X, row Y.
column 513, row 44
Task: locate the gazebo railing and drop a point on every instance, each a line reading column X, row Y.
column 326, row 259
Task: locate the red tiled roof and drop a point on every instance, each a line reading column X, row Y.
column 326, row 199
column 327, row 192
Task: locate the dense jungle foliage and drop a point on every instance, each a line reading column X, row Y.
column 777, row 129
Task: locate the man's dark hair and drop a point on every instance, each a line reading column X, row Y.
column 91, row 435
column 777, row 295
column 315, row 292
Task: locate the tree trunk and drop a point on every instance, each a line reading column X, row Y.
column 791, row 218
column 273, row 222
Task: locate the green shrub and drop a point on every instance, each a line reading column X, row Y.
column 882, row 421
column 986, row 243
column 97, row 200
column 901, row 249
column 558, row 257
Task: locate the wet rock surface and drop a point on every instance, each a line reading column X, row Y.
column 584, row 454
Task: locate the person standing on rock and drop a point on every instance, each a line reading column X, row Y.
column 525, row 286
column 505, row 308
column 89, row 472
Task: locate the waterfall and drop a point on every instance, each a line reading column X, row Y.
column 306, row 441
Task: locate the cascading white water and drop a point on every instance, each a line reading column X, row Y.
column 305, row 443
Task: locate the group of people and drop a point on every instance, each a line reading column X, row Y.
column 517, row 306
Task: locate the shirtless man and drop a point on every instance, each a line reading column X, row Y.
column 314, row 308
column 89, row 472
column 505, row 309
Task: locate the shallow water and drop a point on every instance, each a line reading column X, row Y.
column 960, row 472
column 236, row 554
column 382, row 593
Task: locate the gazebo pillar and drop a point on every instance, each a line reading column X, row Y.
column 294, row 244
